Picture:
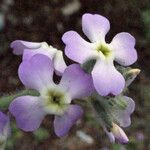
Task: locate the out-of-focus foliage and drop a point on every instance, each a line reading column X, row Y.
column 146, row 20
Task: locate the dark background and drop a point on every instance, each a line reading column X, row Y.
column 47, row 20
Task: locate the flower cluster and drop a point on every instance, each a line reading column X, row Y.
column 101, row 82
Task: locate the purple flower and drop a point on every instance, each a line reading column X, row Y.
column 120, row 116
column 29, row 49
column 4, row 129
column 37, row 73
column 121, row 49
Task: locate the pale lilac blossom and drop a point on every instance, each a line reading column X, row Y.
column 120, row 116
column 29, row 49
column 37, row 73
column 106, row 78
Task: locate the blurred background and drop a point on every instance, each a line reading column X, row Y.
column 47, row 20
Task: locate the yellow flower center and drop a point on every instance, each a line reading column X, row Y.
column 104, row 49
column 55, row 101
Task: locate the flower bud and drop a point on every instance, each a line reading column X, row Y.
column 119, row 134
column 131, row 75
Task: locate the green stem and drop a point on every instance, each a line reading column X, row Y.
column 100, row 107
column 6, row 100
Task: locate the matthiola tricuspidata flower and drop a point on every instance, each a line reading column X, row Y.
column 37, row 73
column 4, row 129
column 113, row 114
column 120, row 114
column 29, row 49
column 107, row 80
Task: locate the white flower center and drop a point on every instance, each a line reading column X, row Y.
column 55, row 101
column 48, row 47
column 44, row 45
column 48, row 50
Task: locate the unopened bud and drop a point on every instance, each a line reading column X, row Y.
column 119, row 134
column 131, row 75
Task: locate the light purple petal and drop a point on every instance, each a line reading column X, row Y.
column 62, row 124
column 95, row 27
column 18, row 46
column 28, row 112
column 76, row 82
column 77, row 48
column 52, row 53
column 123, row 116
column 3, row 121
column 107, row 80
column 36, row 73
column 28, row 53
column 59, row 63
column 123, row 46
column 110, row 135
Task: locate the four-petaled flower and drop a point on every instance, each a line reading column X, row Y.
column 37, row 74
column 106, row 79
column 29, row 49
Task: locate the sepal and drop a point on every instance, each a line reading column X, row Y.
column 131, row 75
column 128, row 73
column 88, row 65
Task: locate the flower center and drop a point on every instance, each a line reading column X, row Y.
column 56, row 101
column 55, row 97
column 104, row 49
